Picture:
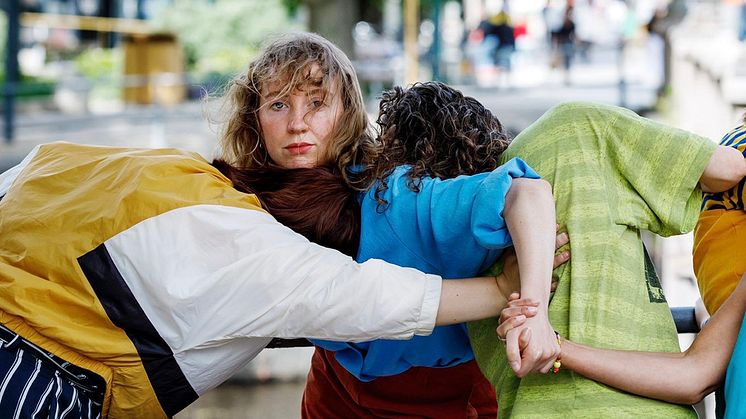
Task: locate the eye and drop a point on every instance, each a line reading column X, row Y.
column 317, row 103
column 276, row 106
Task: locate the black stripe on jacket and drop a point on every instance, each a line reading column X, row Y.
column 169, row 383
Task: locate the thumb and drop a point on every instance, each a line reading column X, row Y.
column 524, row 338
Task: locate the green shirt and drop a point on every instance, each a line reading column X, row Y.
column 614, row 174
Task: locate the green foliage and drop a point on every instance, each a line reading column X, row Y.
column 99, row 63
column 292, row 6
column 222, row 36
column 103, row 68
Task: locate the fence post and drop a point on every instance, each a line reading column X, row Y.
column 11, row 69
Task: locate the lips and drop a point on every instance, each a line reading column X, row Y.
column 299, row 148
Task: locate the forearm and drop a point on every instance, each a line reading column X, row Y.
column 530, row 217
column 469, row 299
column 725, row 169
column 659, row 375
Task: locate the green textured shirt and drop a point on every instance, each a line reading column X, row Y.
column 614, row 174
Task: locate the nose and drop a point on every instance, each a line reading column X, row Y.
column 297, row 122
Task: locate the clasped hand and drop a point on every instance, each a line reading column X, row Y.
column 531, row 343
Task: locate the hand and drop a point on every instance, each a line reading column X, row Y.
column 540, row 351
column 516, row 329
column 561, row 257
column 510, row 281
column 515, row 314
column 516, row 343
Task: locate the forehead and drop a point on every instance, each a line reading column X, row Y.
column 310, row 80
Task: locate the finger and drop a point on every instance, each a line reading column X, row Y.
column 561, row 258
column 514, row 296
column 554, row 285
column 513, row 351
column 561, row 240
column 548, row 361
column 505, row 327
column 527, row 359
column 511, row 312
column 548, row 365
column 523, row 302
column 524, row 338
column 545, row 369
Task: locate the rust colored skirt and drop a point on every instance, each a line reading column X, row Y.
column 456, row 392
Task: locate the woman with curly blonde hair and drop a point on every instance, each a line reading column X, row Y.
column 305, row 82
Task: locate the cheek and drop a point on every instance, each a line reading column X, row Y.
column 270, row 129
column 326, row 131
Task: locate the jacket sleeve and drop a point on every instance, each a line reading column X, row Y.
column 210, row 273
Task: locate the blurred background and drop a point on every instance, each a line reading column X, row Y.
column 149, row 73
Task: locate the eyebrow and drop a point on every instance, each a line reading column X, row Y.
column 273, row 94
column 276, row 93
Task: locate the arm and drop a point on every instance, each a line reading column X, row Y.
column 684, row 378
column 674, row 377
column 258, row 278
column 469, row 299
column 452, row 227
column 529, row 214
column 725, row 169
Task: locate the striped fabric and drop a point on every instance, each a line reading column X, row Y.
column 732, row 198
column 29, row 389
column 613, row 175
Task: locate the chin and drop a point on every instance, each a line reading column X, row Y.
column 301, row 165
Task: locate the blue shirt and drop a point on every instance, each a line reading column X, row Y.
column 453, row 228
column 735, row 379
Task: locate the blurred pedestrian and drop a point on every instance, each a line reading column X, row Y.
column 502, row 29
column 497, row 45
column 564, row 43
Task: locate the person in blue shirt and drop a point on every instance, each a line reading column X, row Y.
column 421, row 213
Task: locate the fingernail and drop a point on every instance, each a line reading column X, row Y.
column 532, row 310
column 563, row 236
column 565, row 255
column 519, row 317
column 514, row 365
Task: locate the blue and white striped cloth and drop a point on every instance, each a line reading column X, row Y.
column 29, row 388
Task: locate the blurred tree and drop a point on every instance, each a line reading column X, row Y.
column 335, row 19
column 221, row 36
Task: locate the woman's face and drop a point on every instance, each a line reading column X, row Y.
column 297, row 128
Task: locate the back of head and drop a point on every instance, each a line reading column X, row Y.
column 438, row 131
column 297, row 62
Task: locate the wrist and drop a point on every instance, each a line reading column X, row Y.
column 500, row 281
column 540, row 295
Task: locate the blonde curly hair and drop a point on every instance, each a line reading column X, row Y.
column 296, row 61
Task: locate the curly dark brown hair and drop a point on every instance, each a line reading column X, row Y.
column 438, row 131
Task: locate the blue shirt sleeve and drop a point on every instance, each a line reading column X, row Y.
column 450, row 226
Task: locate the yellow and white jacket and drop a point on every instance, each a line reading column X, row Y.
column 150, row 269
